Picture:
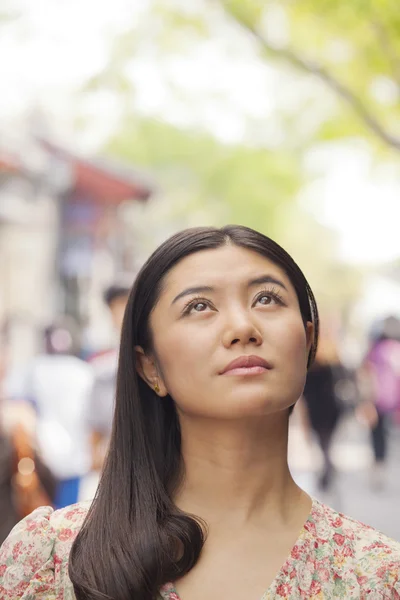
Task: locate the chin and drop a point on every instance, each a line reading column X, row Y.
column 256, row 405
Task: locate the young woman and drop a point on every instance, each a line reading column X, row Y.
column 196, row 499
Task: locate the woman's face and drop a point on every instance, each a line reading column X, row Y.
column 217, row 306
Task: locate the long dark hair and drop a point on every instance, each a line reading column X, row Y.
column 134, row 538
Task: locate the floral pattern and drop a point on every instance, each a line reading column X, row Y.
column 334, row 557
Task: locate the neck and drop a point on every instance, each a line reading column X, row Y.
column 237, row 471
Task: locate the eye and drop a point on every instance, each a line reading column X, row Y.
column 268, row 297
column 265, row 299
column 197, row 305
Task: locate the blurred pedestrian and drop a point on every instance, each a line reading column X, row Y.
column 323, row 406
column 25, row 482
column 104, row 364
column 8, row 511
column 380, row 377
column 58, row 385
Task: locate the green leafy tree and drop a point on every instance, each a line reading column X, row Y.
column 351, row 48
column 236, row 183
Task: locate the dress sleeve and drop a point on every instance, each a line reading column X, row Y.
column 26, row 559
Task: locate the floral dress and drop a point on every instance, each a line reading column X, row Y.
column 334, row 557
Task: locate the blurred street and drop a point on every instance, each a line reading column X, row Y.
column 352, row 492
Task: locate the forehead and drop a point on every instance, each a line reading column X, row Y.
column 224, row 266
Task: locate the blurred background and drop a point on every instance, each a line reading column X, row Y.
column 123, row 122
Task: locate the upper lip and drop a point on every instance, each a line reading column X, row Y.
column 246, row 361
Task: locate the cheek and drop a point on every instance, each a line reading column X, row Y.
column 182, row 360
column 296, row 344
column 291, row 338
column 291, row 352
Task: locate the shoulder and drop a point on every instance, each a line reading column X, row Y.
column 69, row 519
column 34, row 547
column 364, row 538
column 373, row 557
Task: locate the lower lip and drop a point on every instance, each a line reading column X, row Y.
column 246, row 371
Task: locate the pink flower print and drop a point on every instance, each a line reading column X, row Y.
column 283, row 590
column 339, row 539
column 296, row 552
column 16, row 551
column 65, row 535
column 323, row 574
column 315, row 587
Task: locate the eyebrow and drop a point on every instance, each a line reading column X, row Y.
column 206, row 288
column 266, row 279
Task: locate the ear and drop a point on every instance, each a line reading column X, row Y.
column 147, row 369
column 309, row 335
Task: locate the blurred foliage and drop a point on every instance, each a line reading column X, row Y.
column 7, row 17
column 237, row 183
column 353, row 48
column 9, row 12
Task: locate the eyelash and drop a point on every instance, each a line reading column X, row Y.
column 273, row 293
column 189, row 305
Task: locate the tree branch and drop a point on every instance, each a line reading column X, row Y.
column 387, row 47
column 313, row 68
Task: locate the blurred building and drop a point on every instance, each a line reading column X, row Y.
column 62, row 235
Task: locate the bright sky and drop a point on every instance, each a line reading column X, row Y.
column 62, row 43
column 360, row 201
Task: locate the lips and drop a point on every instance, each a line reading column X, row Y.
column 246, row 362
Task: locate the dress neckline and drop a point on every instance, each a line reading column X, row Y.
column 169, row 592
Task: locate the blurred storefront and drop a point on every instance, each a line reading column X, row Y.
column 62, row 237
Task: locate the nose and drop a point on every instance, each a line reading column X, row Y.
column 241, row 330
